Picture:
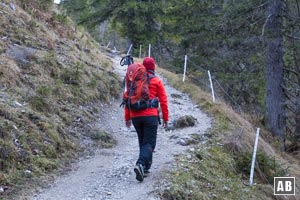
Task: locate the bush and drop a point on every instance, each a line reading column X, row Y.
column 266, row 168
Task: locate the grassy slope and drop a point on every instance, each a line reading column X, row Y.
column 52, row 80
column 220, row 168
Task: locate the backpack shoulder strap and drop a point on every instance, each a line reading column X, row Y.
column 152, row 74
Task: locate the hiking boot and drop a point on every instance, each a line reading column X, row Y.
column 139, row 171
column 146, row 172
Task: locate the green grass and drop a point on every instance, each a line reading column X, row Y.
column 210, row 176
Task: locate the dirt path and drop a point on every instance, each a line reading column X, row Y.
column 109, row 174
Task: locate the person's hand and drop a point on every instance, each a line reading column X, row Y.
column 128, row 123
column 165, row 124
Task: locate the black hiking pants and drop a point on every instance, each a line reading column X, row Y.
column 146, row 128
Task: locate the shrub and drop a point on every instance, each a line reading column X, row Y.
column 266, row 168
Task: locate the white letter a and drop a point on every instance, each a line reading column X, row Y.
column 280, row 186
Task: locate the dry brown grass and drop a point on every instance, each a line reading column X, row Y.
column 9, row 72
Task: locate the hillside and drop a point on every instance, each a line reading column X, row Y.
column 53, row 81
column 56, row 85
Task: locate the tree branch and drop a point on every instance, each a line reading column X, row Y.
column 261, row 5
column 291, row 70
column 298, row 8
column 263, row 29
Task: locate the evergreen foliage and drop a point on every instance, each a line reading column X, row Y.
column 225, row 37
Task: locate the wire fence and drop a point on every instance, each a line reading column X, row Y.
column 291, row 88
column 199, row 75
column 203, row 81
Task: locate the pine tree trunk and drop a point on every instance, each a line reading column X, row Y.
column 275, row 109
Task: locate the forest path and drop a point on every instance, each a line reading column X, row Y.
column 109, row 174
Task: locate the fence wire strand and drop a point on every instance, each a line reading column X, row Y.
column 206, row 86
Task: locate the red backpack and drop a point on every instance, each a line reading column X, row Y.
column 136, row 95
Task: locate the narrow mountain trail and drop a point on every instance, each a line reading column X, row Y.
column 109, row 173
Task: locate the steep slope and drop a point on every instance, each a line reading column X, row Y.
column 53, row 80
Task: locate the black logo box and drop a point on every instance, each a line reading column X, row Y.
column 284, row 185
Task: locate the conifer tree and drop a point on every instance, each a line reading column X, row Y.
column 275, row 111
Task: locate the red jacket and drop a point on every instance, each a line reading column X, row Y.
column 156, row 89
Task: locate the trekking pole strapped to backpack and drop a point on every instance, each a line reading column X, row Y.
column 126, row 60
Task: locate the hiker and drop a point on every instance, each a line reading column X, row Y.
column 145, row 121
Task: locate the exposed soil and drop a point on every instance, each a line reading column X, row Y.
column 109, row 173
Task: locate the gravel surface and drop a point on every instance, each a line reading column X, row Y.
column 109, row 173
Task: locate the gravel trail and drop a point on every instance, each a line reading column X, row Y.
column 109, row 174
